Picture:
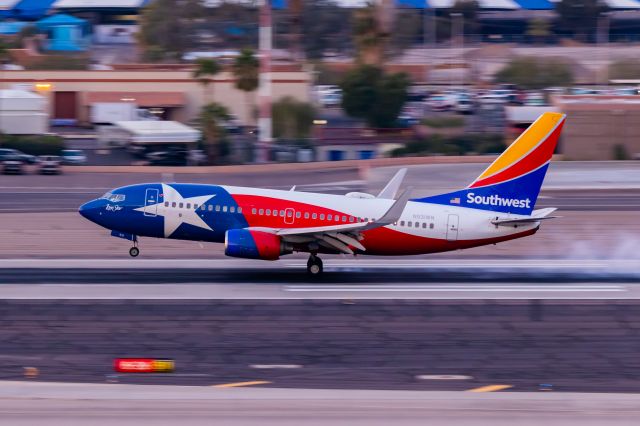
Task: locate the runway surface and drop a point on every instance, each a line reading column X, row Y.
column 113, row 404
column 519, row 345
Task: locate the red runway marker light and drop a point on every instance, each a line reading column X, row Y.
column 143, row 365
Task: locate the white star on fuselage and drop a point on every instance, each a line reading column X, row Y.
column 176, row 216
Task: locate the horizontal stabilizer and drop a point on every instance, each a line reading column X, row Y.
column 536, row 216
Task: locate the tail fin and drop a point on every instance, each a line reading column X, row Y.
column 511, row 184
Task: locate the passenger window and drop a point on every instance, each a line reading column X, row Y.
column 282, row 213
column 298, row 215
column 402, row 223
column 173, row 204
column 289, row 213
column 217, row 208
column 239, row 209
column 181, row 205
column 210, row 207
column 224, row 208
column 322, row 216
column 306, row 215
column 329, row 217
column 166, row 204
column 417, row 225
column 232, row 209
column 314, row 216
column 261, row 212
column 351, row 219
column 253, row 211
column 424, row 225
column 268, row 212
column 409, row 224
column 431, row 225
column 344, row 218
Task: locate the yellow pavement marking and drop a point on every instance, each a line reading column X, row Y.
column 240, row 384
column 490, row 388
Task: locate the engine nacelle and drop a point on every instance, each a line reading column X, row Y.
column 253, row 244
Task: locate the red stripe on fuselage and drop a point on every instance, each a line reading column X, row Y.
column 389, row 242
column 529, row 163
column 249, row 202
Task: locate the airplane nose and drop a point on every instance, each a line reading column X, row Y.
column 87, row 210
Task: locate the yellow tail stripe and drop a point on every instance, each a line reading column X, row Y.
column 524, row 144
column 241, row 384
column 490, row 388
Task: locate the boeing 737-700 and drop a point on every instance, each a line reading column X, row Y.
column 265, row 224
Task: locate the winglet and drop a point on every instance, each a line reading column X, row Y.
column 389, row 192
column 395, row 211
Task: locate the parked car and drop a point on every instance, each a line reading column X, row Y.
column 440, row 102
column 12, row 165
column 17, row 155
column 73, row 156
column 50, row 164
column 464, row 104
column 168, row 158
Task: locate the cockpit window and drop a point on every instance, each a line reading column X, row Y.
column 114, row 198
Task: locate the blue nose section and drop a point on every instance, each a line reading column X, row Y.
column 89, row 210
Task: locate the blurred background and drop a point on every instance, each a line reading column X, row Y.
column 330, row 96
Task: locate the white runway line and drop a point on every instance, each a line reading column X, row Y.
column 473, row 289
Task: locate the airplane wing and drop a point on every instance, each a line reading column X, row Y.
column 536, row 216
column 341, row 237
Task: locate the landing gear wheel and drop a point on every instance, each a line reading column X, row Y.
column 134, row 251
column 314, row 266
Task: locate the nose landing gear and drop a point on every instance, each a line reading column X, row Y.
column 134, row 251
column 314, row 265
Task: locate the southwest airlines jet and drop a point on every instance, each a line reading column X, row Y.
column 265, row 224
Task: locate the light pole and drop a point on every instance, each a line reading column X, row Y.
column 603, row 39
column 457, row 20
column 264, row 89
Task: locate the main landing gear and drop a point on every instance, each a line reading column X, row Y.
column 314, row 265
column 134, row 251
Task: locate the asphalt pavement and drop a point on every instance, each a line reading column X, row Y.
column 526, row 345
column 115, row 404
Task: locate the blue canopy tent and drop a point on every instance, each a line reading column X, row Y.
column 66, row 32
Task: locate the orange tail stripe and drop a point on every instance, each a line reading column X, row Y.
column 531, row 162
column 525, row 143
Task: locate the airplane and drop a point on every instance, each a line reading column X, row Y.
column 266, row 224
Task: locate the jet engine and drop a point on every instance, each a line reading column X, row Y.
column 254, row 244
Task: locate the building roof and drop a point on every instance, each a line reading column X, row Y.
column 143, row 99
column 159, row 131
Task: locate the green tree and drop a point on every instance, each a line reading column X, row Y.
column 539, row 29
column 372, row 27
column 469, row 11
column 204, row 72
column 579, row 17
column 292, row 119
column 376, row 97
column 327, row 28
column 536, row 73
column 246, row 69
column 166, row 28
column 212, row 118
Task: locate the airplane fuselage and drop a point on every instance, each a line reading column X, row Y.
column 206, row 212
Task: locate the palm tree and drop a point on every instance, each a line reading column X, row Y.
column 246, row 70
column 211, row 118
column 204, row 73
